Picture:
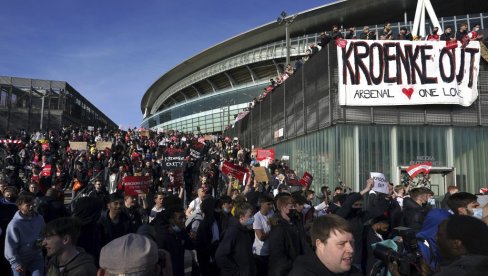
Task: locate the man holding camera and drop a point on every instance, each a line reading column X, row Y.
column 334, row 249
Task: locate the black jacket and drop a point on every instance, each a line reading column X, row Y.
column 356, row 218
column 234, row 254
column 175, row 244
column 286, row 243
column 413, row 214
column 311, row 265
column 110, row 231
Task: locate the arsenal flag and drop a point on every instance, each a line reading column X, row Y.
column 424, row 168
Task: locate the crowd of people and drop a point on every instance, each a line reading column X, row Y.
column 229, row 225
column 462, row 35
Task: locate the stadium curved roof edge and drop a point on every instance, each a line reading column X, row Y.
column 343, row 12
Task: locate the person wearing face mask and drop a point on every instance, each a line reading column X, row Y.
column 415, row 208
column 352, row 211
column 474, row 34
column 465, row 204
column 169, row 225
column 286, row 240
column 234, row 253
column 434, row 36
column 225, row 219
column 375, row 232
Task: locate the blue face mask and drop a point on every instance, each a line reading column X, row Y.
column 250, row 221
column 431, row 201
column 478, row 213
column 226, row 210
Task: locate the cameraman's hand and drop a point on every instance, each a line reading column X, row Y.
column 393, row 269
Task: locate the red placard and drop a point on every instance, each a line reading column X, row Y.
column 306, row 180
column 46, row 170
column 234, row 170
column 134, row 185
column 263, row 154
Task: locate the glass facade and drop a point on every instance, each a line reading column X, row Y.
column 210, row 113
column 349, row 153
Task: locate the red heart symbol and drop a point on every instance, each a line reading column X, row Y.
column 408, row 92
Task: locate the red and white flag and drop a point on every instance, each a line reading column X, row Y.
column 424, row 168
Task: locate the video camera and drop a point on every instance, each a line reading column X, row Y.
column 407, row 257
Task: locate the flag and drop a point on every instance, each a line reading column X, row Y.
column 424, row 168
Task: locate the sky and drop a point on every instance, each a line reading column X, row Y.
column 112, row 51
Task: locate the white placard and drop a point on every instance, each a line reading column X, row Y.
column 380, row 182
column 379, row 73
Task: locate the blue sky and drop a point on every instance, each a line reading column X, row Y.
column 111, row 51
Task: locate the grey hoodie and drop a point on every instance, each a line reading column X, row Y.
column 20, row 240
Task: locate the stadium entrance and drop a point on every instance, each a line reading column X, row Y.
column 437, row 180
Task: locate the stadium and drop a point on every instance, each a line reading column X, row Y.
column 304, row 118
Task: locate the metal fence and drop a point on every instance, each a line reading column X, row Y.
column 308, row 101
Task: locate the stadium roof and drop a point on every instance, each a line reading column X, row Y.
column 343, row 12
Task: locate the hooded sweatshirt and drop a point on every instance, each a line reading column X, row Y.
column 427, row 236
column 20, row 241
column 81, row 265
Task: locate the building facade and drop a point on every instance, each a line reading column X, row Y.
column 302, row 118
column 31, row 104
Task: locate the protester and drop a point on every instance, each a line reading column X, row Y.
column 114, row 222
column 64, row 258
column 234, row 254
column 286, row 241
column 261, row 231
column 334, row 249
column 21, row 241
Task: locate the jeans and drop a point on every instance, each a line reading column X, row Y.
column 34, row 267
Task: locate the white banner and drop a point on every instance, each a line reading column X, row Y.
column 376, row 73
column 380, row 182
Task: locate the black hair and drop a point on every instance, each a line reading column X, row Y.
column 473, row 233
column 460, row 200
column 63, row 226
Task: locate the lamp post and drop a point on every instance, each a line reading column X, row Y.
column 287, row 21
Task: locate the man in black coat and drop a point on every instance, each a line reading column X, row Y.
column 414, row 211
column 234, row 254
column 334, row 250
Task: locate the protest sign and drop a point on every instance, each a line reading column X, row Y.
column 77, row 145
column 380, row 182
column 261, row 174
column 135, row 185
column 46, row 170
column 145, row 133
column 104, row 145
column 173, row 159
column 379, row 73
column 233, row 170
column 306, row 180
column 262, row 154
column 291, row 178
column 196, row 149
